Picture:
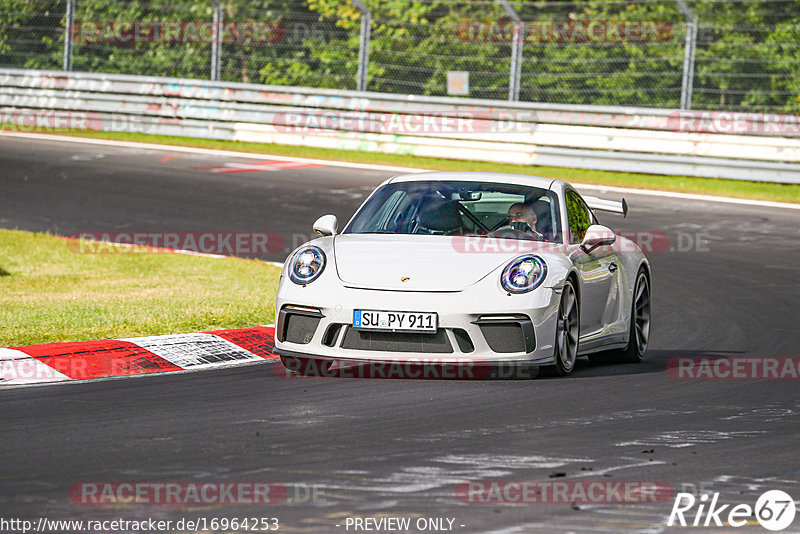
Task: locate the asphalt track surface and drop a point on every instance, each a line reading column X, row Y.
column 400, row 448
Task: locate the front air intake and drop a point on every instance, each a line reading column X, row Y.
column 397, row 342
column 300, row 328
column 298, row 324
column 508, row 334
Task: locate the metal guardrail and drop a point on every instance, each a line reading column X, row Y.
column 593, row 137
column 608, row 116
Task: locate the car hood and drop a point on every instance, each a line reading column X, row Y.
column 429, row 263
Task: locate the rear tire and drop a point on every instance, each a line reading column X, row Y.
column 565, row 348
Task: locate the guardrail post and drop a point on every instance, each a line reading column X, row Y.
column 515, row 72
column 363, row 45
column 216, row 44
column 688, row 54
column 69, row 21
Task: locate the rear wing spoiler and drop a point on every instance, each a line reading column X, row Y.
column 607, row 205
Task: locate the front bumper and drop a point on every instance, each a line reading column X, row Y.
column 477, row 324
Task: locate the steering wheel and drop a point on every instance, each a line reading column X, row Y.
column 507, row 232
column 504, row 222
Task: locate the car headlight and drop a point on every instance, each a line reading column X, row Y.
column 524, row 274
column 306, row 265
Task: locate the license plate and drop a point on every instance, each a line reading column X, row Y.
column 392, row 321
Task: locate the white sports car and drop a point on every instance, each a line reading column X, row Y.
column 466, row 266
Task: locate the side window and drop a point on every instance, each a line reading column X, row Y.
column 589, row 213
column 579, row 217
column 382, row 217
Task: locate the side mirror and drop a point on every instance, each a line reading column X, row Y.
column 597, row 236
column 326, row 225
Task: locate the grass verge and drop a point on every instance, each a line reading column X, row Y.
column 49, row 293
column 682, row 184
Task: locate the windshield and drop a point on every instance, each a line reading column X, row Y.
column 460, row 208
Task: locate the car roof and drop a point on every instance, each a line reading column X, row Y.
column 499, row 177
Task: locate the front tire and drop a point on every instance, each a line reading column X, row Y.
column 638, row 330
column 567, row 331
column 639, row 335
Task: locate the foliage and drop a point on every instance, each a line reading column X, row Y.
column 746, row 58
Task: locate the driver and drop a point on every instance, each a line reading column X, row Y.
column 522, row 217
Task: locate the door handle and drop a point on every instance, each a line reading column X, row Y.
column 613, row 267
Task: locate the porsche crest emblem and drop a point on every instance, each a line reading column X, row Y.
column 405, row 278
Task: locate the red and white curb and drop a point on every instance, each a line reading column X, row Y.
column 90, row 360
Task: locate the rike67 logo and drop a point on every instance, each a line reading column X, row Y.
column 774, row 511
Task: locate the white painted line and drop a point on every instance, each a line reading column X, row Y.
column 196, row 369
column 227, row 167
column 12, row 354
column 688, row 196
column 194, row 350
column 329, row 163
column 208, row 151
